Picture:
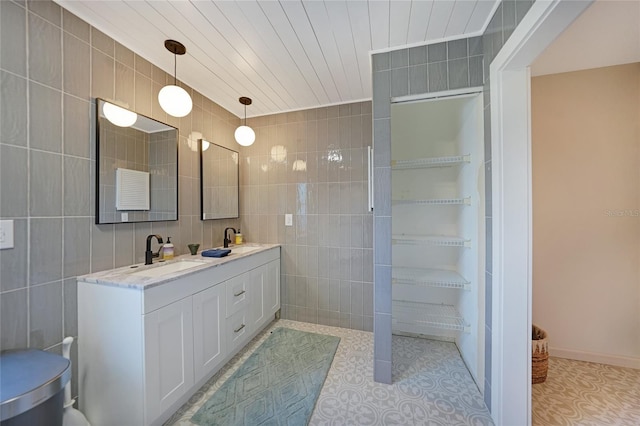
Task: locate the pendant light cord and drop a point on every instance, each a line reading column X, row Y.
column 175, row 70
column 245, row 114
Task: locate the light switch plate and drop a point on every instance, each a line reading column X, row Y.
column 6, row 234
column 124, row 217
column 288, row 219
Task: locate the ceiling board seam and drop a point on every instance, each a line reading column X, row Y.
column 426, row 30
column 223, row 80
column 282, row 84
column 306, row 54
column 406, row 36
column 355, row 50
column 315, row 35
column 282, row 100
column 449, row 22
column 470, row 16
column 289, row 52
column 333, row 36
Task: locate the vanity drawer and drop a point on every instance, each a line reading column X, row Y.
column 237, row 297
column 237, row 330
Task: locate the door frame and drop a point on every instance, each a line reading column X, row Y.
column 510, row 81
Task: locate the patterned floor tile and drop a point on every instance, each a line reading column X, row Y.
column 431, row 385
column 586, row 394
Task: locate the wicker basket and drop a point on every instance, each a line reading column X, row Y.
column 539, row 355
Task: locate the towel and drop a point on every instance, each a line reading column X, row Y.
column 216, row 252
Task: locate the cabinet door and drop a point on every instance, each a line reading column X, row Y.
column 272, row 288
column 168, row 338
column 208, row 330
column 256, row 297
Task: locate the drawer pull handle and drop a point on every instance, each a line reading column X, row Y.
column 239, row 328
column 239, row 294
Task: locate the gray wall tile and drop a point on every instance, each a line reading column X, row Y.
column 418, row 55
column 418, row 80
column 102, row 75
column 437, row 52
column 457, row 49
column 475, row 46
column 102, row 42
column 45, row 52
column 76, row 186
column 45, row 256
column 45, row 184
column 13, row 262
column 476, row 71
column 14, row 317
column 13, row 38
column 45, row 315
column 77, row 69
column 382, row 91
column 47, row 10
column 399, row 81
column 438, row 76
column 13, row 181
column 458, row 73
column 381, row 61
column 70, row 301
column 382, row 347
column 399, row 58
column 76, row 26
column 13, row 109
column 77, row 127
column 77, row 246
column 45, row 118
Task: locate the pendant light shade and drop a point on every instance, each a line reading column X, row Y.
column 173, row 99
column 119, row 116
column 244, row 134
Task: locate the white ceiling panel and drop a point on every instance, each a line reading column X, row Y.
column 399, row 12
column 439, row 19
column 284, row 54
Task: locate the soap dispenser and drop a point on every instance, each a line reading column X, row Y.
column 239, row 238
column 167, row 250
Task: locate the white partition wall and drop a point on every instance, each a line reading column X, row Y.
column 437, row 182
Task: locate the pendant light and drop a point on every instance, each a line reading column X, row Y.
column 119, row 116
column 173, row 98
column 244, row 134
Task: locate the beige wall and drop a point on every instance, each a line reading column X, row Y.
column 586, row 212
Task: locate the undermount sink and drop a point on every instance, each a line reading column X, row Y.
column 169, row 268
column 243, row 249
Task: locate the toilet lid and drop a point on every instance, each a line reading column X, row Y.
column 29, row 377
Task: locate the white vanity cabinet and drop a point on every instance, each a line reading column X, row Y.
column 145, row 348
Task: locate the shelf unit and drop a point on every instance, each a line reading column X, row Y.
column 429, row 277
column 434, row 201
column 437, row 219
column 432, row 240
column 444, row 317
column 429, row 162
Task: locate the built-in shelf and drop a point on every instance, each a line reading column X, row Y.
column 424, row 163
column 434, row 201
column 431, row 240
column 429, row 277
column 429, row 315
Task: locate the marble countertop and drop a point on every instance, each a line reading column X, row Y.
column 124, row 276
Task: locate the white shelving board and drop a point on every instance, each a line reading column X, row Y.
column 428, row 277
column 425, row 163
column 436, row 201
column 433, row 240
column 443, row 317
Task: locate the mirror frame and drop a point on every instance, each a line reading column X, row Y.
column 202, row 180
column 97, row 167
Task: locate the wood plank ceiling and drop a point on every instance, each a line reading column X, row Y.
column 286, row 55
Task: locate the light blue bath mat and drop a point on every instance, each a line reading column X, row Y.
column 278, row 384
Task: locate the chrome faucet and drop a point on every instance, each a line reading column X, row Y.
column 226, row 240
column 149, row 255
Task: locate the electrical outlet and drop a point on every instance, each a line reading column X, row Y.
column 6, row 234
column 288, row 219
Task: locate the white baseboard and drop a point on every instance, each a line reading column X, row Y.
column 620, row 361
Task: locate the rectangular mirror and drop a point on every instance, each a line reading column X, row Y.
column 136, row 167
column 219, row 174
